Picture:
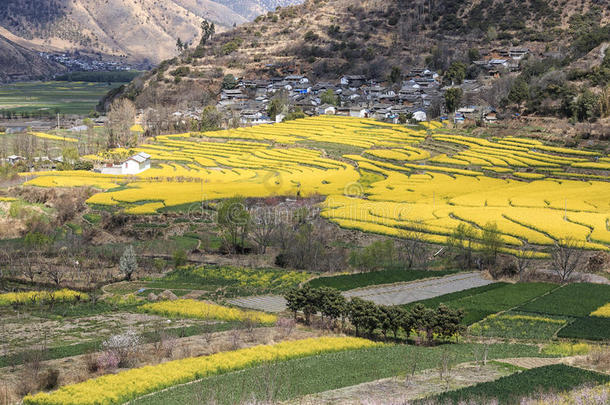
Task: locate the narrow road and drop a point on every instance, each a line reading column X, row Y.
column 394, row 294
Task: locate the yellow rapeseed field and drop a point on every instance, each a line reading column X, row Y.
column 32, row 297
column 602, row 312
column 128, row 385
column 204, row 310
column 536, row 193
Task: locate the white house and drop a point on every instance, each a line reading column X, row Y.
column 133, row 165
column 420, row 115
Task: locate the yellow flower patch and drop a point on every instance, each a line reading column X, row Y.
column 205, row 310
column 130, row 384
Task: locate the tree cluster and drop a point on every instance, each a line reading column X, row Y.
column 442, row 322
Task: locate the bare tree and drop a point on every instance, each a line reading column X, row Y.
column 55, row 273
column 523, row 261
column 264, row 225
column 121, row 117
column 412, row 248
column 566, row 257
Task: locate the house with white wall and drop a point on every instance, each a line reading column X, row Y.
column 133, row 165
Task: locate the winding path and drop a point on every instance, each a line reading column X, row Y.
column 393, row 294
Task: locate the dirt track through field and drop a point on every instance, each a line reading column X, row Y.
column 394, row 294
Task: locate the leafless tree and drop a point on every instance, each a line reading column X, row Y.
column 566, row 257
column 412, row 248
column 264, row 225
column 523, row 261
column 55, row 273
column 120, row 119
column 28, row 268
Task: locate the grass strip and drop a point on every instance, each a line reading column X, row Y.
column 350, row 281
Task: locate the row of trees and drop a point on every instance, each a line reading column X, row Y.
column 442, row 322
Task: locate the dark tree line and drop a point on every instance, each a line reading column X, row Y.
column 365, row 316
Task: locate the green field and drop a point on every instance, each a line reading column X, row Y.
column 510, row 389
column 51, row 98
column 575, row 300
column 481, row 302
column 350, row 281
column 285, row 380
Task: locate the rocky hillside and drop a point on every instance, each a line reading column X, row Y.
column 138, row 30
column 18, row 63
column 328, row 38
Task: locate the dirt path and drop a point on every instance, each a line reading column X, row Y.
column 533, row 362
column 393, row 294
column 398, row 390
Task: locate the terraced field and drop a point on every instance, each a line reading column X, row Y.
column 381, row 178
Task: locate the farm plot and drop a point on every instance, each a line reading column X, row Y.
column 394, row 184
column 130, row 384
column 579, row 303
column 488, row 300
column 573, row 300
column 227, row 281
column 310, row 375
column 518, row 326
column 533, row 382
column 351, row 281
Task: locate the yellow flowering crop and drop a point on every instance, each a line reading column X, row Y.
column 30, row 297
column 603, row 311
column 204, row 310
column 53, row 137
column 534, row 192
column 566, row 349
column 130, row 384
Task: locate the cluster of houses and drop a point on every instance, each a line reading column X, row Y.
column 495, row 61
column 355, row 95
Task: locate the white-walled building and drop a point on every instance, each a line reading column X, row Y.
column 133, row 165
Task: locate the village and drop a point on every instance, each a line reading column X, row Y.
column 417, row 96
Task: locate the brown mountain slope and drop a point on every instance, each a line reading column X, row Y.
column 328, row 38
column 20, row 63
column 137, row 29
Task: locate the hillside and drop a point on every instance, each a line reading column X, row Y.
column 18, row 62
column 328, row 38
column 119, row 27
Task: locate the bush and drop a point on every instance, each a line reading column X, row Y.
column 179, row 257
column 377, row 255
column 121, row 349
column 50, row 379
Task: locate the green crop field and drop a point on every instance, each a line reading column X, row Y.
column 480, row 302
column 589, row 327
column 350, row 281
column 575, row 300
column 45, row 98
column 284, row 380
column 510, row 389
